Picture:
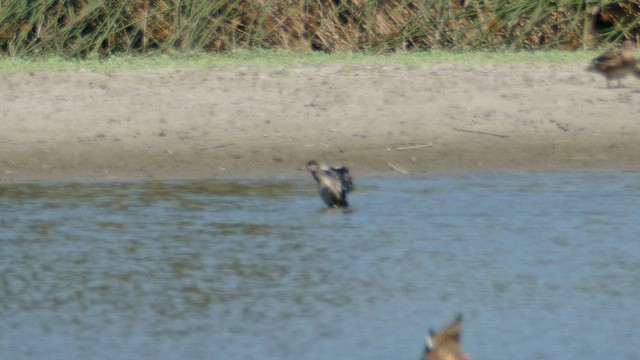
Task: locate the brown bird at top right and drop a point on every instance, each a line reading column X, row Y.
column 445, row 345
column 616, row 64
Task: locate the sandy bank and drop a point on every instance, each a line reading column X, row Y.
column 265, row 122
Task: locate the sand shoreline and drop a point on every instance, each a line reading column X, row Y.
column 265, row 122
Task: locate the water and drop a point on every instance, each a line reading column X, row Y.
column 543, row 266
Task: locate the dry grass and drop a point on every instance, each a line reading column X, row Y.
column 73, row 28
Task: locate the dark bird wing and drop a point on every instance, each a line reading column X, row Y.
column 342, row 174
column 609, row 58
column 614, row 59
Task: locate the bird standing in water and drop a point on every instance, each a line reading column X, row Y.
column 616, row 64
column 445, row 345
column 334, row 183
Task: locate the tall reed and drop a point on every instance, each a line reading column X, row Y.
column 75, row 28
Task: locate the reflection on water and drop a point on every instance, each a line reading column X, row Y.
column 542, row 266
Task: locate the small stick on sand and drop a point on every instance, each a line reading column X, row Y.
column 401, row 171
column 481, row 132
column 216, row 147
column 414, row 147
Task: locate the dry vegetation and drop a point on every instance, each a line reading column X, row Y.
column 75, row 28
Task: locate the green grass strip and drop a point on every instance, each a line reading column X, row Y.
column 284, row 58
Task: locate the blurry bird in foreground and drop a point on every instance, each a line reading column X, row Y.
column 334, row 183
column 617, row 64
column 445, row 345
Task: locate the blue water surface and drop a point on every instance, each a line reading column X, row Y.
column 542, row 265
